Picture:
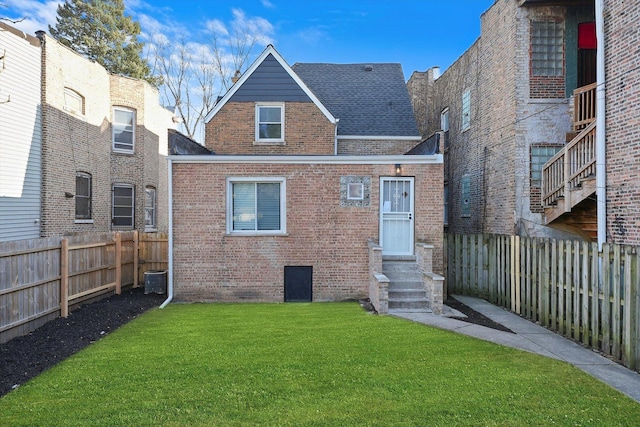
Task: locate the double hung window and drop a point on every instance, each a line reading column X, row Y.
column 256, row 205
column 124, row 121
column 122, row 211
column 83, row 196
column 270, row 123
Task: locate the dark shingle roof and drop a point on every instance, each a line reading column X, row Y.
column 368, row 102
column 183, row 145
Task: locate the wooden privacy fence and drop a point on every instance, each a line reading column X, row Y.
column 567, row 286
column 41, row 278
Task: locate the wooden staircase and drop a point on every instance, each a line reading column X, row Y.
column 568, row 178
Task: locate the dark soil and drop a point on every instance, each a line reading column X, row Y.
column 25, row 357
column 473, row 316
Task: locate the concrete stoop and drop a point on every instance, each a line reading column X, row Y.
column 406, row 287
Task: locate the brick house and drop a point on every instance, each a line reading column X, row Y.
column 83, row 151
column 523, row 94
column 104, row 148
column 306, row 179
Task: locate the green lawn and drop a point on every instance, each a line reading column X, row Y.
column 306, row 364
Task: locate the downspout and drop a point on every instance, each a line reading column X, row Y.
column 335, row 139
column 170, row 243
column 601, row 153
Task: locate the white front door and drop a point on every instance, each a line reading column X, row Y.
column 396, row 216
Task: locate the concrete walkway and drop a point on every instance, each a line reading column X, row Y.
column 535, row 339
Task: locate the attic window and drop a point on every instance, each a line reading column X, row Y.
column 270, row 123
column 368, row 67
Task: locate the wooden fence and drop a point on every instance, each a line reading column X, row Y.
column 590, row 296
column 41, row 278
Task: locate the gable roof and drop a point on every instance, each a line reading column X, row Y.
column 368, row 99
column 269, row 62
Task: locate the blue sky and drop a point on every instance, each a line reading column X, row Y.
column 418, row 34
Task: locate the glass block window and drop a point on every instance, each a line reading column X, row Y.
column 547, row 48
column 446, row 203
column 466, row 109
column 539, row 156
column 465, row 191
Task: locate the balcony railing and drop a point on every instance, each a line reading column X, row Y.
column 577, row 160
column 569, row 167
column 584, row 106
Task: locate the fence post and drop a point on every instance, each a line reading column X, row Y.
column 136, row 257
column 118, row 263
column 630, row 338
column 64, row 278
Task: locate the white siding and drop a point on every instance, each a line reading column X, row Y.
column 20, row 138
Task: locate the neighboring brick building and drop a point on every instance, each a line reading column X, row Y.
column 104, row 148
column 622, row 91
column 293, row 192
column 506, row 105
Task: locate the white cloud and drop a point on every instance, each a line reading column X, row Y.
column 256, row 27
column 217, row 27
column 314, row 35
column 268, row 4
column 38, row 15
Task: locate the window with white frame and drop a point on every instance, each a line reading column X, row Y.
column 465, row 191
column 270, row 123
column 73, row 101
column 444, row 126
column 83, row 196
column 466, row 109
column 150, row 210
column 547, row 48
column 124, row 120
column 256, row 205
column 122, row 211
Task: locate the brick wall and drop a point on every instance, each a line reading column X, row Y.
column 307, row 131
column 81, row 142
column 377, row 147
column 211, row 265
column 506, row 120
column 622, row 121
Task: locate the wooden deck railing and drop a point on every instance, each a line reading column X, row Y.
column 584, row 106
column 564, row 171
column 577, row 159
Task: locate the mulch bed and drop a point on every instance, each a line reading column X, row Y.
column 25, row 357
column 473, row 316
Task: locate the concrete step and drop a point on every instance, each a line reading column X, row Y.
column 405, row 284
column 396, row 276
column 407, row 294
column 409, row 303
column 399, row 266
column 409, row 310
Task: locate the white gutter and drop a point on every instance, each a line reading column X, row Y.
column 601, row 153
column 170, row 243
